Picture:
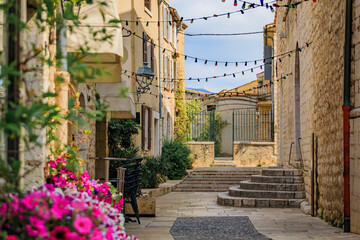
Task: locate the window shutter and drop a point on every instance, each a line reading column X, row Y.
column 149, row 127
column 152, row 55
column 145, row 50
column 165, row 21
column 143, row 108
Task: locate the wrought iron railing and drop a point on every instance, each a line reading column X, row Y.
column 253, row 125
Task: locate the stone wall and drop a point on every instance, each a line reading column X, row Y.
column 320, row 71
column 252, row 154
column 355, row 124
column 202, row 153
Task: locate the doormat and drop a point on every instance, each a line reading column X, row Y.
column 215, row 228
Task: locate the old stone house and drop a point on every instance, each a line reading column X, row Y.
column 42, row 78
column 312, row 106
column 158, row 36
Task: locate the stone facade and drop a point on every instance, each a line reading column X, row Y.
column 355, row 124
column 252, row 154
column 202, row 153
column 310, row 101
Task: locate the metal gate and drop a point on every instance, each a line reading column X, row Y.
column 252, row 125
column 201, row 126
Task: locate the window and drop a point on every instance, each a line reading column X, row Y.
column 170, row 31
column 148, row 50
column 165, row 12
column 146, row 130
column 175, row 36
column 168, row 127
column 165, row 70
column 147, row 4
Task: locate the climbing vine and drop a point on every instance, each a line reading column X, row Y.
column 181, row 116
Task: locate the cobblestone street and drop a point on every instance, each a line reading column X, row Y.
column 278, row 224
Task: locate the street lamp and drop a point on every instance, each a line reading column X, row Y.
column 144, row 78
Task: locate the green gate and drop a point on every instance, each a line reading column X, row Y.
column 201, row 126
column 252, row 125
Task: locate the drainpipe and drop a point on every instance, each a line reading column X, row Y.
column 346, row 112
column 159, row 77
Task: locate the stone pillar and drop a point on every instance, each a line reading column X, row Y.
column 62, row 89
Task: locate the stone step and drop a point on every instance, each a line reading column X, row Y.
column 211, row 181
column 281, row 172
column 272, row 186
column 237, row 192
column 225, row 199
column 223, row 165
column 203, row 186
column 276, row 179
column 237, row 179
column 225, row 173
column 237, row 169
column 200, row 190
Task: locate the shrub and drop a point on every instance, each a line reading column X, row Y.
column 153, row 172
column 176, row 155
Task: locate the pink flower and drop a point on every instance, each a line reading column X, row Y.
column 3, row 209
column 83, row 224
column 97, row 235
column 11, row 237
column 30, row 202
column 61, row 233
column 59, row 207
column 52, row 164
column 37, row 227
column 60, row 160
column 109, row 234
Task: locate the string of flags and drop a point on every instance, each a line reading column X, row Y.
column 221, row 34
column 243, row 93
column 244, row 7
column 199, row 79
column 217, row 62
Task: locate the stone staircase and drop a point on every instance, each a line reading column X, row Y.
column 275, row 187
column 215, row 179
column 224, row 162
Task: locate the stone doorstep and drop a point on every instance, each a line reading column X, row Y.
column 200, row 190
column 224, row 199
column 272, row 186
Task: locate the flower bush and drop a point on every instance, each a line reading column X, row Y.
column 64, row 178
column 71, row 208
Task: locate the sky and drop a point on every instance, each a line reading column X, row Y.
column 224, row 48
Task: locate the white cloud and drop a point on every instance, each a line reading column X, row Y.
column 234, row 48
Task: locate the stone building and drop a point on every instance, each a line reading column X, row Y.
column 156, row 26
column 42, row 78
column 311, row 102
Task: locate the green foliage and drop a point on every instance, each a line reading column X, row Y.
column 193, row 107
column 154, row 171
column 180, row 127
column 24, row 120
column 220, row 124
column 176, row 155
column 120, row 134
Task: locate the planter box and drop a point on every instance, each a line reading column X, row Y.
column 146, row 205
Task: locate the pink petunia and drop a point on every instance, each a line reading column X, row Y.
column 36, row 228
column 83, row 224
column 52, row 164
column 11, row 237
column 96, row 235
column 3, row 209
column 60, row 207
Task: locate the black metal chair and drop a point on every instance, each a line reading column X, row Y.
column 127, row 183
